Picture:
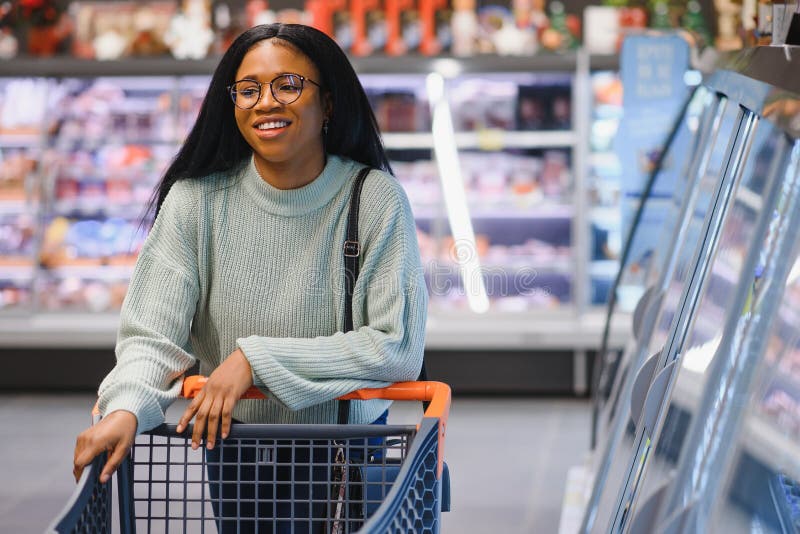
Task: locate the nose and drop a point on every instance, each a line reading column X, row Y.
column 267, row 99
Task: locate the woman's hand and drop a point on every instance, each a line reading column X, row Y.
column 214, row 403
column 114, row 433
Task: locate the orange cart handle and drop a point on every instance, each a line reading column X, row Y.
column 437, row 393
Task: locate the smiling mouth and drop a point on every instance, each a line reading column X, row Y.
column 272, row 125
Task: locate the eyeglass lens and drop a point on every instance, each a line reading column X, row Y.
column 285, row 89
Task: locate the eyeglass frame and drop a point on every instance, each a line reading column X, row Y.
column 303, row 81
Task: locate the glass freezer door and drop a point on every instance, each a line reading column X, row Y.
column 740, row 468
column 726, row 283
column 616, row 463
column 691, row 137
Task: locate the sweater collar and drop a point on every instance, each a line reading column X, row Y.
column 302, row 200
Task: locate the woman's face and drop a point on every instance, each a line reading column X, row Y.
column 282, row 133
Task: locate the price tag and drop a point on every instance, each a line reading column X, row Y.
column 491, row 139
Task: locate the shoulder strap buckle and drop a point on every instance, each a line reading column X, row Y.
column 352, row 249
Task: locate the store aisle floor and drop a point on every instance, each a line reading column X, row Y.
column 508, row 459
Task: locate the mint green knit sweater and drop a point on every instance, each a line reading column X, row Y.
column 232, row 261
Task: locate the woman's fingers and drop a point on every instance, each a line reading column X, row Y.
column 190, row 410
column 86, row 449
column 227, row 416
column 117, row 454
column 213, row 422
column 114, row 433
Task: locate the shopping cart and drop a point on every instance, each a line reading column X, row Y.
column 278, row 478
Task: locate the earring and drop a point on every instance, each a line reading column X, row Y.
column 325, row 128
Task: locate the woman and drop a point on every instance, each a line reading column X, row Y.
column 243, row 267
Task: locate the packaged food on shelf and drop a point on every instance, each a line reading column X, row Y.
column 483, row 103
column 399, row 111
column 106, row 30
column 523, row 102
column 116, row 180
column 17, row 259
column 191, row 92
column 784, row 409
column 544, row 107
column 25, row 106
column 400, row 103
column 420, row 180
column 516, row 181
column 81, row 293
column 91, row 242
column 95, row 112
column 17, row 167
column 13, row 295
column 17, row 239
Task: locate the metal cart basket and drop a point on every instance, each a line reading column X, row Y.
column 277, row 478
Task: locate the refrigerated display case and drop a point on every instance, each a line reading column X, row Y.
column 681, row 166
column 520, row 128
column 676, row 463
column 24, row 119
column 603, row 184
column 728, row 367
column 707, row 126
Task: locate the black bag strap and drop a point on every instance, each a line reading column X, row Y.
column 352, row 251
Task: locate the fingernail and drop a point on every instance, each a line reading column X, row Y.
column 210, row 445
column 103, row 478
column 179, row 429
column 224, row 435
column 194, row 445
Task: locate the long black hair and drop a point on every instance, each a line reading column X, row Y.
column 215, row 144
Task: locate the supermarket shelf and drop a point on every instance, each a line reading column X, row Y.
column 604, row 62
column 749, row 198
column 20, row 140
column 377, row 64
column 536, row 211
column 17, row 273
column 484, row 140
column 59, row 330
column 14, row 207
column 112, row 140
column 72, row 67
column 764, row 441
column 512, row 265
column 100, row 206
column 546, row 330
column 604, row 268
column 92, row 272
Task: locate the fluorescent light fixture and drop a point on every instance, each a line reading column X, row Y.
column 444, row 147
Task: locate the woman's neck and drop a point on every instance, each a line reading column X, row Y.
column 291, row 174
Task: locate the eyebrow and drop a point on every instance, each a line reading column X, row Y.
column 255, row 76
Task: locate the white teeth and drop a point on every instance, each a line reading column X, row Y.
column 273, row 124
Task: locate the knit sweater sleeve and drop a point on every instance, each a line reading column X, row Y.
column 389, row 314
column 156, row 317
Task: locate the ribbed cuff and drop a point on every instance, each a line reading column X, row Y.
column 147, row 410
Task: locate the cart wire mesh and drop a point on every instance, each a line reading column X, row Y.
column 263, row 478
column 89, row 508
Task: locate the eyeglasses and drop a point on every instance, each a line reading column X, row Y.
column 285, row 89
